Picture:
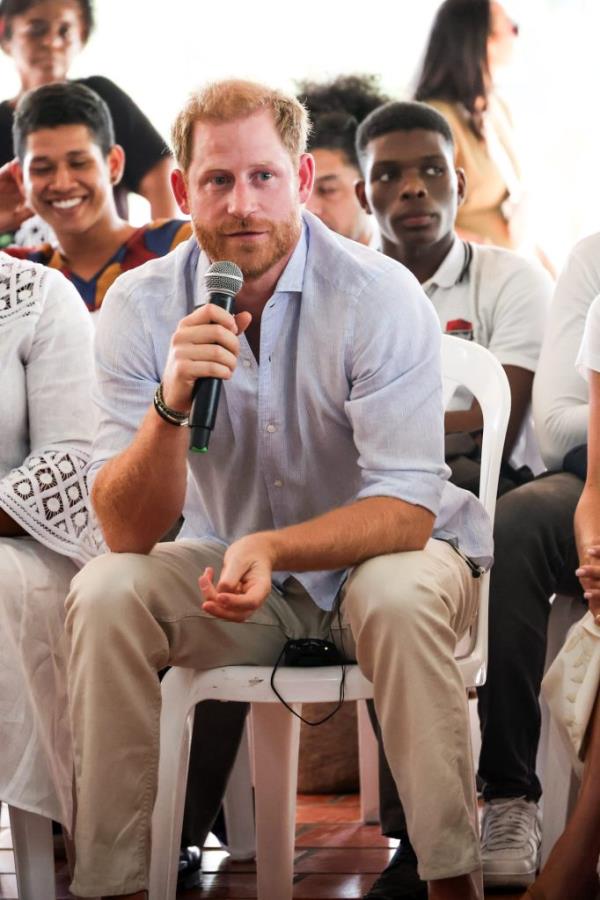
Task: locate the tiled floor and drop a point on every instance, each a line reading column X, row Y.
column 337, row 858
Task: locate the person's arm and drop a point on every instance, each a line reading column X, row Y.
column 8, row 526
column 395, row 412
column 148, row 161
column 139, row 493
column 560, row 392
column 155, row 186
column 587, row 514
column 13, row 209
column 338, row 539
column 59, row 371
column 470, row 420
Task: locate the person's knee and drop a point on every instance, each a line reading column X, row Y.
column 104, row 589
column 534, row 512
column 379, row 599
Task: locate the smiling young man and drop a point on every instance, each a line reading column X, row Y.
column 498, row 299
column 67, row 165
column 324, row 485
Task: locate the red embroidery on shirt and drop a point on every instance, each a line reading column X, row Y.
column 460, row 328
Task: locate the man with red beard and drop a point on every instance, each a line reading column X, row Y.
column 321, row 509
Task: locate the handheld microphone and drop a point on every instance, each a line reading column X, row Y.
column 223, row 280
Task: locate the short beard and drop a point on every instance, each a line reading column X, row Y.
column 253, row 260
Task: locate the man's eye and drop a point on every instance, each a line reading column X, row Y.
column 37, row 29
column 265, row 176
column 434, row 170
column 40, row 170
column 384, row 177
column 327, row 191
column 219, row 180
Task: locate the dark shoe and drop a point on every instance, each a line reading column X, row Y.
column 399, row 880
column 190, row 868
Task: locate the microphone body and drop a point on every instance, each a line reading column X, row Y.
column 223, row 280
column 205, row 398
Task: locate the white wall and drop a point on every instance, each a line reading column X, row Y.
column 159, row 51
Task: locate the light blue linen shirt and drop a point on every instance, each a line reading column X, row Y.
column 346, row 402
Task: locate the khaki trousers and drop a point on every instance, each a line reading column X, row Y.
column 129, row 616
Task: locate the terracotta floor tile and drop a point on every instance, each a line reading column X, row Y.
column 224, row 887
column 352, row 862
column 342, row 835
column 313, row 814
column 332, row 887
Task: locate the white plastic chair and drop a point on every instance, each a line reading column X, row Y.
column 276, row 731
column 34, row 854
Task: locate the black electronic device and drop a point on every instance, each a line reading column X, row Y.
column 223, row 281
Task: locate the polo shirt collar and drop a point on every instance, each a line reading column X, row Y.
column 450, row 268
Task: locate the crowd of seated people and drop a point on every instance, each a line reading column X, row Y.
column 337, row 499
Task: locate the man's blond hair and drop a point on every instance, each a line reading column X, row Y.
column 225, row 101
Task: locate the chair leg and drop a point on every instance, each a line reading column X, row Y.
column 175, row 738
column 368, row 764
column 276, row 744
column 34, row 854
column 238, row 805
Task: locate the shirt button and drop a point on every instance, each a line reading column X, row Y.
column 271, row 428
column 246, row 363
column 278, row 483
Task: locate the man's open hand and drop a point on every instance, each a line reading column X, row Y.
column 245, row 581
column 13, row 209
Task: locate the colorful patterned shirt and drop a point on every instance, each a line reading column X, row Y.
column 148, row 242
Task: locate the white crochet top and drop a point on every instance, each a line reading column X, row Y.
column 46, row 415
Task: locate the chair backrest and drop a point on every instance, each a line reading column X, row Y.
column 469, row 365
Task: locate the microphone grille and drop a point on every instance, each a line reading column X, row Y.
column 224, row 277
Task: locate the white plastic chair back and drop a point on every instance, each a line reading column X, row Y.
column 469, row 365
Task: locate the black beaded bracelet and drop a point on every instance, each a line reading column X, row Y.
column 172, row 416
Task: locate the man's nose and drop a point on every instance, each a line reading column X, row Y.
column 241, row 200
column 53, row 38
column 412, row 186
column 62, row 178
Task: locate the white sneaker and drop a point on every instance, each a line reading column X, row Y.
column 511, row 837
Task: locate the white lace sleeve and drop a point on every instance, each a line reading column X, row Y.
column 46, row 416
column 48, row 497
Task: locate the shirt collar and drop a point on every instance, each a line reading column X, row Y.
column 450, row 269
column 291, row 279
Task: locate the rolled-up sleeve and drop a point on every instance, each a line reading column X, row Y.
column 126, row 372
column 395, row 405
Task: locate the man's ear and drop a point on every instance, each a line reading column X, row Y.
column 361, row 195
column 179, row 186
column 461, row 185
column 306, row 176
column 16, row 170
column 116, row 163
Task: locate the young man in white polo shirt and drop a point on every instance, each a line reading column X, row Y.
column 481, row 293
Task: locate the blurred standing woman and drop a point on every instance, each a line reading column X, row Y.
column 469, row 41
column 43, row 37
